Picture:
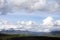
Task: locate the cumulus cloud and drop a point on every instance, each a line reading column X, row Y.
column 46, row 26
column 25, row 25
column 57, row 22
column 7, row 6
column 49, row 21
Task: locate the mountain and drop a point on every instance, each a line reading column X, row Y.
column 33, row 33
column 23, row 32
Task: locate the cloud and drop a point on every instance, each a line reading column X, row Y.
column 36, row 5
column 25, row 25
column 47, row 25
column 4, row 7
column 1, row 3
column 57, row 22
column 49, row 21
column 29, row 5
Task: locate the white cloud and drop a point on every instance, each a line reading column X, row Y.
column 1, row 3
column 36, row 5
column 4, row 7
column 47, row 25
column 49, row 21
column 57, row 22
column 30, row 23
column 26, row 25
column 29, row 5
column 46, row 30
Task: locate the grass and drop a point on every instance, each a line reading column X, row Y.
column 9, row 36
column 18, row 36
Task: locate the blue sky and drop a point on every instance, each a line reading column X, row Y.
column 26, row 13
column 35, row 16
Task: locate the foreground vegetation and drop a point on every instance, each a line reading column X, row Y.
column 9, row 36
column 19, row 36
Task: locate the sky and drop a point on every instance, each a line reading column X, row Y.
column 30, row 10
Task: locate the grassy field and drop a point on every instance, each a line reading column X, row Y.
column 9, row 36
column 24, row 37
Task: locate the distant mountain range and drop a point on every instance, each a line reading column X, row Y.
column 12, row 31
column 23, row 32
